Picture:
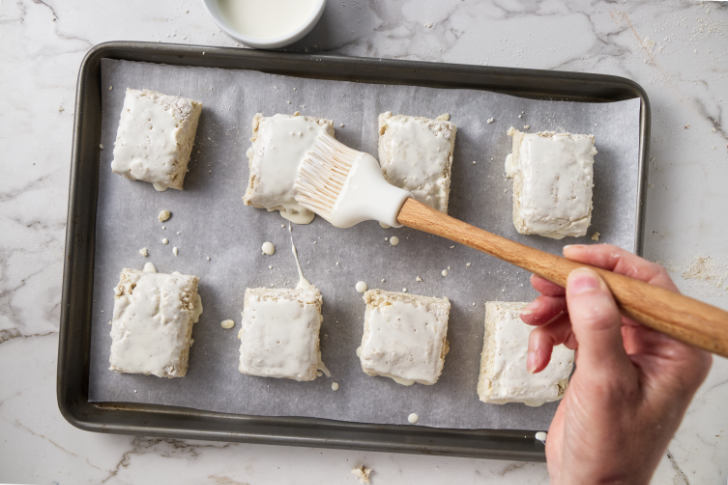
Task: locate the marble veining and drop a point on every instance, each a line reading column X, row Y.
column 676, row 50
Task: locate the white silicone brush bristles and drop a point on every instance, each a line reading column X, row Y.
column 345, row 186
column 322, row 174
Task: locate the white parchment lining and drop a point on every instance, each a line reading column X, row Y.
column 209, row 219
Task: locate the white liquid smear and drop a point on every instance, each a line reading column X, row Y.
column 267, row 19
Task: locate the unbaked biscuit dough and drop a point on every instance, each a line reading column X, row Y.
column 279, row 143
column 155, row 137
column 405, row 336
column 503, row 375
column 553, row 176
column 151, row 329
column 416, row 154
column 279, row 334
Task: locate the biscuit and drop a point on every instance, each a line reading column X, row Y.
column 155, row 137
column 405, row 336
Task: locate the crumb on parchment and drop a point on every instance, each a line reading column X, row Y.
column 362, row 472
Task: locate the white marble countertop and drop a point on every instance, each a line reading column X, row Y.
column 676, row 50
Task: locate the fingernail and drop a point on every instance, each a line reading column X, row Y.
column 530, row 308
column 582, row 280
column 531, row 361
column 572, row 246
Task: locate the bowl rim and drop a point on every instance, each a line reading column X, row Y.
column 265, row 42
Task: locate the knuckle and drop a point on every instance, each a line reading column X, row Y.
column 596, row 315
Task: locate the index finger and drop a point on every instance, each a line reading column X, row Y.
column 618, row 260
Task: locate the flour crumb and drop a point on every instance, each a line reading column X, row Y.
column 540, row 436
column 706, row 269
column 467, row 265
column 227, row 324
column 444, row 272
column 334, row 386
column 164, row 215
column 595, row 236
column 362, row 473
column 144, row 252
column 490, row 120
column 404, row 290
column 165, row 241
column 175, row 251
column 418, row 278
column 413, row 418
column 361, row 286
column 394, row 240
column 101, row 146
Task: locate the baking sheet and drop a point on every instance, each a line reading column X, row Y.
column 209, row 219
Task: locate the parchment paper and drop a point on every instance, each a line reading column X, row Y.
column 209, row 219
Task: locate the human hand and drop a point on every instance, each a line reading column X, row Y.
column 631, row 385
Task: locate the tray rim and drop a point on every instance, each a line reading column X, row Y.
column 186, row 423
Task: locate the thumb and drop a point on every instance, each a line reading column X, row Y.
column 596, row 323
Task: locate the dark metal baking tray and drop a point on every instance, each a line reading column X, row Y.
column 75, row 329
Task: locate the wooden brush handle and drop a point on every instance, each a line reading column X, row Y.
column 679, row 316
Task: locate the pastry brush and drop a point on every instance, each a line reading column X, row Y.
column 346, row 187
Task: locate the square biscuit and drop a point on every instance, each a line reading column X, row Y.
column 503, row 375
column 151, row 330
column 279, row 143
column 415, row 153
column 405, row 336
column 553, row 177
column 279, row 334
column 155, row 137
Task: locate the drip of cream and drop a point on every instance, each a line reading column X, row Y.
column 304, row 283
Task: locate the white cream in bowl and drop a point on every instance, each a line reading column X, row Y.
column 266, row 23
